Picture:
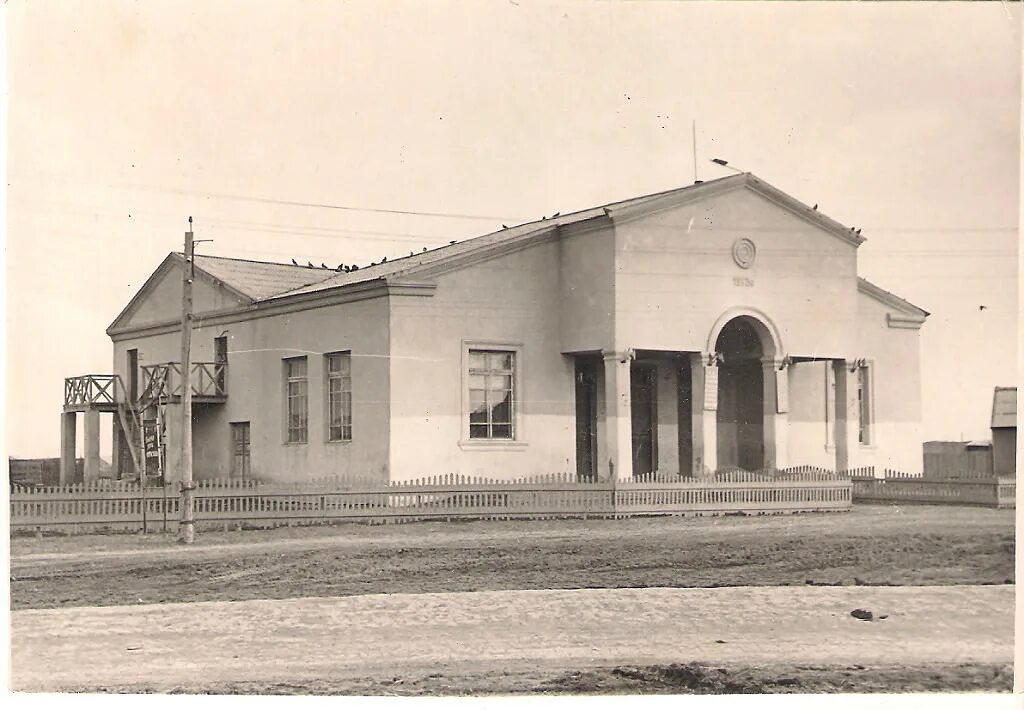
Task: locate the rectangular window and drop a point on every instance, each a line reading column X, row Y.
column 297, row 394
column 339, row 397
column 864, row 404
column 240, row 450
column 491, row 394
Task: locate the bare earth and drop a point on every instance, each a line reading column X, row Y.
column 302, row 642
column 659, row 605
column 871, row 545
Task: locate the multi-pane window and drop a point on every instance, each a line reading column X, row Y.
column 491, row 394
column 864, row 405
column 339, row 397
column 297, row 394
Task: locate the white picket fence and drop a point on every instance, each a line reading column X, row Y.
column 901, row 487
column 226, row 503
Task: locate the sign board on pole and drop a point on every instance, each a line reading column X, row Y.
column 151, row 446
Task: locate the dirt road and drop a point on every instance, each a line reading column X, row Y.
column 872, row 545
column 199, row 645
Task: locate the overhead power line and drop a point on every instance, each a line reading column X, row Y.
column 322, row 205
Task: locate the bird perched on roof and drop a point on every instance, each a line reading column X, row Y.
column 295, row 262
column 341, row 267
column 309, row 265
column 424, row 248
column 815, row 206
column 384, row 260
column 452, row 241
column 349, row 268
column 355, row 267
column 857, row 230
column 505, row 226
column 324, row 266
column 555, row 215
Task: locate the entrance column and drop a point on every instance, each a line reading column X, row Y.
column 704, row 374
column 92, row 445
column 68, row 424
column 776, row 413
column 840, row 436
column 618, row 414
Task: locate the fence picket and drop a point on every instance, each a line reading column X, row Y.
column 225, row 501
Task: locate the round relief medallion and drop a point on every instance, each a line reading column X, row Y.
column 743, row 253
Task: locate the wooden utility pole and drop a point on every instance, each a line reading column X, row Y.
column 186, row 532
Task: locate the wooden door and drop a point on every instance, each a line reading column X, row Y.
column 133, row 375
column 220, row 356
column 644, row 417
column 586, row 421
column 240, row 463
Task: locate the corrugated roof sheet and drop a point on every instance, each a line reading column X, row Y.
column 260, row 280
column 1004, row 408
column 433, row 256
column 263, row 281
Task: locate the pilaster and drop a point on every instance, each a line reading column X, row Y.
column 618, row 415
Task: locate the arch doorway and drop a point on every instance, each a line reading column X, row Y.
column 743, row 344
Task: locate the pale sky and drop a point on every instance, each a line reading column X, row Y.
column 124, row 118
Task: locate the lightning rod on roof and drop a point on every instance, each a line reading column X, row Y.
column 695, row 178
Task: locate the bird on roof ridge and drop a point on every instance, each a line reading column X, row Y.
column 295, row 262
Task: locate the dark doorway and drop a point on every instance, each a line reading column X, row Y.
column 133, row 375
column 643, row 382
column 586, row 421
column 685, row 418
column 740, row 417
column 220, row 356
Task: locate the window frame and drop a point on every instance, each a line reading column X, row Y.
column 518, row 439
column 329, row 396
column 866, row 414
column 288, row 380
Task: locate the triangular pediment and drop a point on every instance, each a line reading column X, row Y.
column 159, row 300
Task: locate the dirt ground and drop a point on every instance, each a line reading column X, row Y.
column 740, row 639
column 871, row 545
column 672, row 679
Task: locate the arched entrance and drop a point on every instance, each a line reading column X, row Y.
column 743, row 344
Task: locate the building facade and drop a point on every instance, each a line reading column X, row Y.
column 715, row 326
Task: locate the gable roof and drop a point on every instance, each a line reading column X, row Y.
column 890, row 299
column 659, row 200
column 259, row 281
column 1004, row 408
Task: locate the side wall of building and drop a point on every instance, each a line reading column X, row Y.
column 256, row 391
column 507, row 302
column 893, row 356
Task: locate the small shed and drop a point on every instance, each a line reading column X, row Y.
column 947, row 460
column 1004, row 431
